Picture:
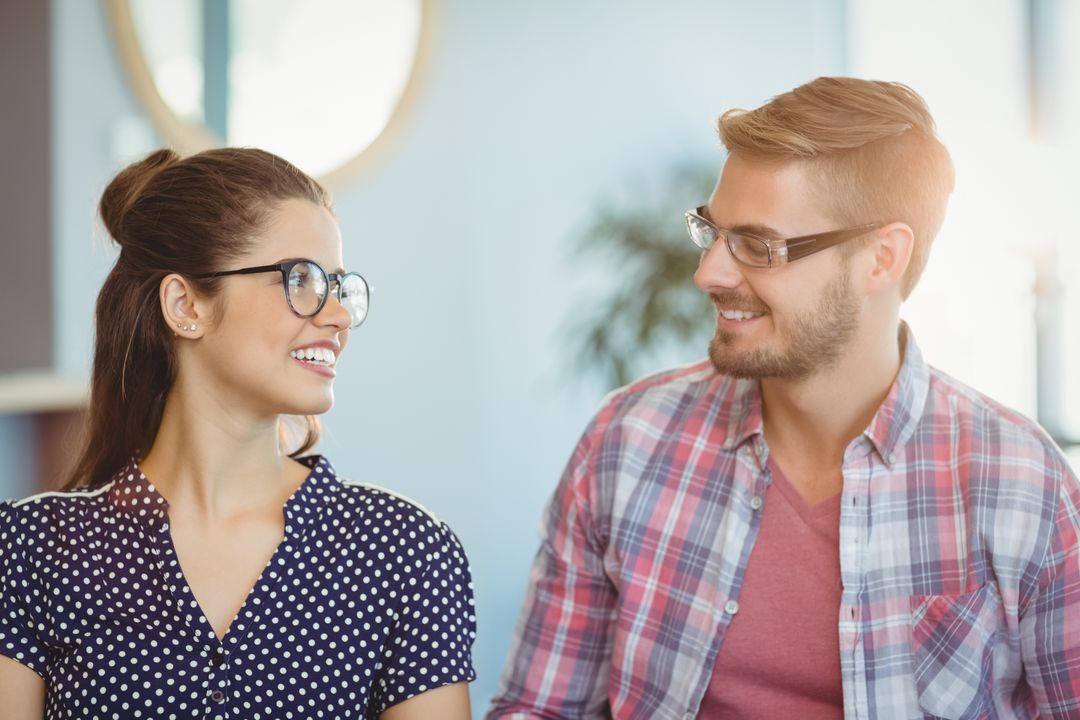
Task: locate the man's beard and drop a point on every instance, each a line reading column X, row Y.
column 815, row 341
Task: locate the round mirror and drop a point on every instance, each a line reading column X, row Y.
column 324, row 84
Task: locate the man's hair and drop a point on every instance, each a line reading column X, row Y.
column 873, row 147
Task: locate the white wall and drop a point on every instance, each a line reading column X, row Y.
column 973, row 311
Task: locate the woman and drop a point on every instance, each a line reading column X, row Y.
column 193, row 567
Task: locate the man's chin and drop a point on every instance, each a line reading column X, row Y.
column 753, row 364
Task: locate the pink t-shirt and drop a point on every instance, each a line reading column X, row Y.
column 781, row 654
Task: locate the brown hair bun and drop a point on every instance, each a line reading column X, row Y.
column 124, row 190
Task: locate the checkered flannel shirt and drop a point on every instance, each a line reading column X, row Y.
column 958, row 557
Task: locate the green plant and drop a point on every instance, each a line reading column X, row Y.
column 650, row 304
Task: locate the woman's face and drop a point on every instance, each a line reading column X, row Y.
column 249, row 353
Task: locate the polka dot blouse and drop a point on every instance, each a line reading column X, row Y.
column 366, row 602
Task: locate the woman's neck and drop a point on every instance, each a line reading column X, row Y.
column 216, row 462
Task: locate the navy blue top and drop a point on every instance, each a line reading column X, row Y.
column 366, row 602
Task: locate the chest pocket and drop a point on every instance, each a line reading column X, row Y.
column 953, row 638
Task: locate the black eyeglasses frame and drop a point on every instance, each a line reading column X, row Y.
column 285, row 267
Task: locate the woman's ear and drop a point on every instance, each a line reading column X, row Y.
column 891, row 247
column 180, row 307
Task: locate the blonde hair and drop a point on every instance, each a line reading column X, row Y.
column 873, row 145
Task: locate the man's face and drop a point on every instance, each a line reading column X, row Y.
column 790, row 321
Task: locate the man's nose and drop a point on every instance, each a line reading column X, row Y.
column 718, row 269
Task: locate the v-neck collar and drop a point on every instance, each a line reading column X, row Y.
column 132, row 493
column 134, row 496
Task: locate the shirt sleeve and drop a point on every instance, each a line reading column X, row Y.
column 18, row 637
column 431, row 645
column 560, row 658
column 1050, row 625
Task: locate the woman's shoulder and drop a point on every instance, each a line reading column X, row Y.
column 48, row 529
column 49, row 511
column 383, row 506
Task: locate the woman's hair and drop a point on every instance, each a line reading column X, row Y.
column 169, row 215
column 874, row 148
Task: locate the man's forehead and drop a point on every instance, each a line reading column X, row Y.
column 767, row 194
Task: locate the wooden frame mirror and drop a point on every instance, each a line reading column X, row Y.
column 189, row 136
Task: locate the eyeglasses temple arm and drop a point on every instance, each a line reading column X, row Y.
column 801, row 247
column 243, row 271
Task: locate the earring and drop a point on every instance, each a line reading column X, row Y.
column 182, row 326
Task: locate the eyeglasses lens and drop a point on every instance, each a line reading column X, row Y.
column 307, row 287
column 749, row 250
column 355, row 297
column 700, row 232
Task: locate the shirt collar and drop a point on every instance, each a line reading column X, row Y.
column 892, row 425
column 306, row 505
column 132, row 493
column 895, row 421
column 745, row 420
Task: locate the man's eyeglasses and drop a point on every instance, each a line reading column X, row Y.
column 759, row 252
column 307, row 286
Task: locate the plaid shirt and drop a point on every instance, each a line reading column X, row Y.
column 958, row 556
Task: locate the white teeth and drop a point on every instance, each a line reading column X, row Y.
column 322, row 356
column 738, row 315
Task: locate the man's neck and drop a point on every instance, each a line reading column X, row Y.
column 816, row 418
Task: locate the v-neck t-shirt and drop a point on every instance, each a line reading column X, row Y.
column 781, row 654
column 366, row 602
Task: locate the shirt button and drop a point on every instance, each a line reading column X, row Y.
column 217, row 696
column 731, row 607
column 218, row 659
column 756, row 502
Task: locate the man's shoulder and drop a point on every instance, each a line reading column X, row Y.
column 660, row 386
column 980, row 424
column 666, row 397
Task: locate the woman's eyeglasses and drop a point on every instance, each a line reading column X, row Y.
column 307, row 286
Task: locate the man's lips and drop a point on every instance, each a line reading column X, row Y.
column 737, row 308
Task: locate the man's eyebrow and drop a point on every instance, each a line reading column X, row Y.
column 762, row 231
column 759, row 231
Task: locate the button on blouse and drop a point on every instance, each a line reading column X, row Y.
column 366, row 602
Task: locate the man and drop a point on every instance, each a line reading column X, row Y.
column 813, row 523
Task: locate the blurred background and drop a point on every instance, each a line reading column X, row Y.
column 511, row 178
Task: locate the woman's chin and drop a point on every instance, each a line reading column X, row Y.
column 309, row 406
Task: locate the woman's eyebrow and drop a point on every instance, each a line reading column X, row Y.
column 339, row 271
